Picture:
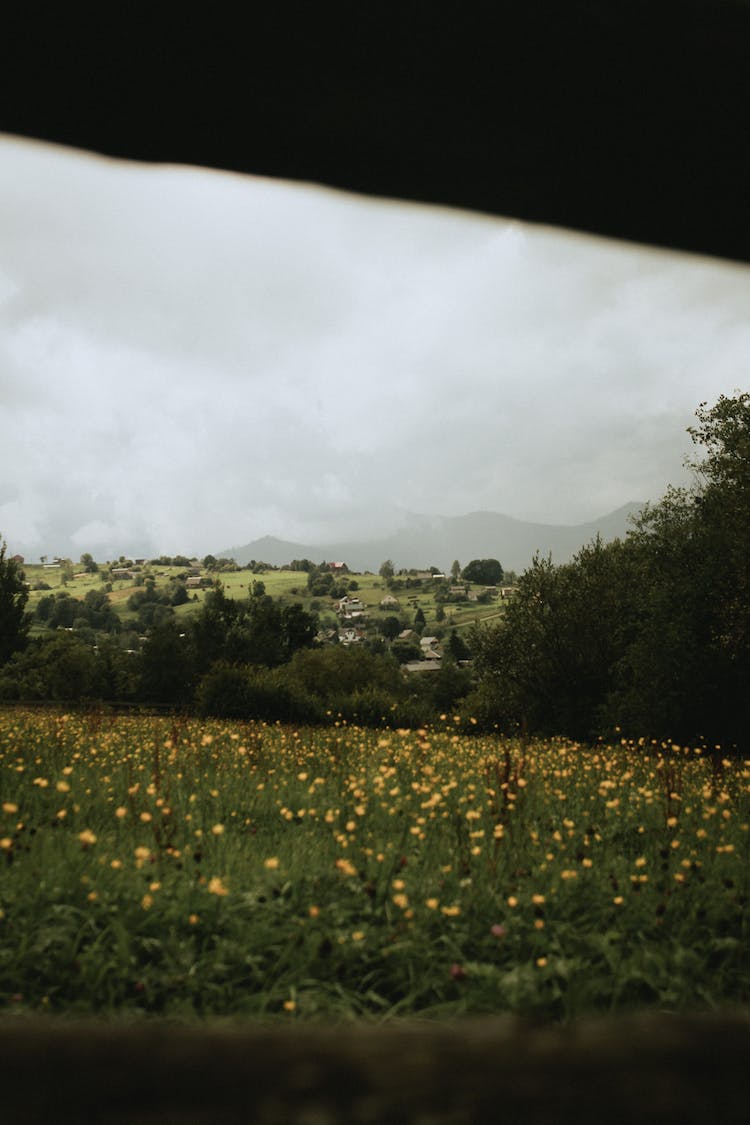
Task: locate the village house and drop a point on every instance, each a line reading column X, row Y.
column 408, row 635
column 350, row 608
column 430, row 646
column 351, row 636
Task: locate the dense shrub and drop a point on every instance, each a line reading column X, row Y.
column 246, row 692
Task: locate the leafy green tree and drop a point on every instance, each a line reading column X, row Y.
column 167, row 665
column 552, row 658
column 723, row 510
column 320, row 582
column 651, row 634
column 485, row 572
column 334, row 672
column 390, row 627
column 60, row 668
column 456, row 570
column 298, row 629
column 456, row 646
column 386, row 569
column 242, row 692
column 14, row 594
column 406, row 651
column 685, row 674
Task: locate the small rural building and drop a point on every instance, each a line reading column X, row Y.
column 351, row 636
column 348, row 607
column 422, row 666
column 389, row 602
column 121, row 572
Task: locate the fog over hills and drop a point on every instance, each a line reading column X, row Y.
column 425, row 541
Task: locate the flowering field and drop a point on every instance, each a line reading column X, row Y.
column 190, row 868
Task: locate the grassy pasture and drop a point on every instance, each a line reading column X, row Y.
column 286, row 585
column 170, row 866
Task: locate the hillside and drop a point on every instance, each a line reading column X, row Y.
column 438, row 540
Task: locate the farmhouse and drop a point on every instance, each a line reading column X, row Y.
column 349, row 608
column 351, row 636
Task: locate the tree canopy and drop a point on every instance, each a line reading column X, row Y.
column 485, row 572
column 649, row 636
column 14, row 594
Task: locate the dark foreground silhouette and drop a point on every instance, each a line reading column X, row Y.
column 647, row 1069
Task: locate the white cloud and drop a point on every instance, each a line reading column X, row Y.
column 190, row 359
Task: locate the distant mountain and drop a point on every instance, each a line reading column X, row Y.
column 425, row 541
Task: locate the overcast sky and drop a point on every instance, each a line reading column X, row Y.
column 190, row 360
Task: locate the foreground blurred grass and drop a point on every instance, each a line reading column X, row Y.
column 192, row 869
column 670, row 1070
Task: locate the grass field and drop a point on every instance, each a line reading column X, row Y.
column 285, row 585
column 190, row 869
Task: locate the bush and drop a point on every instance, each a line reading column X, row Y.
column 231, row 691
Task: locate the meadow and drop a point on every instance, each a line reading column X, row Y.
column 186, row 868
column 286, row 586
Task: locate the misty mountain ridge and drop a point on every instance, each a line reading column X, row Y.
column 424, row 541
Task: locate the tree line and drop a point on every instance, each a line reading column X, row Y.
column 251, row 658
column 646, row 637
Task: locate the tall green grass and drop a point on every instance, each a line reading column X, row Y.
column 192, row 868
